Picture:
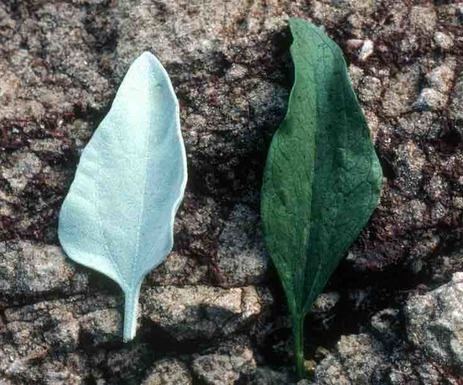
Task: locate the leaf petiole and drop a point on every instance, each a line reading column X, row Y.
column 298, row 344
column 131, row 312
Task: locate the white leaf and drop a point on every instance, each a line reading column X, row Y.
column 118, row 215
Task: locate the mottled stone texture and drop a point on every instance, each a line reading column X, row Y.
column 214, row 313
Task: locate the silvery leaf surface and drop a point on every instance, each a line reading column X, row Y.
column 118, row 215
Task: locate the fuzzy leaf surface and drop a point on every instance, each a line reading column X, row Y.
column 118, row 215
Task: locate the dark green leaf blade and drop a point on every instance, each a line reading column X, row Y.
column 322, row 179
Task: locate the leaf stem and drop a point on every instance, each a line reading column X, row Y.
column 131, row 312
column 298, row 343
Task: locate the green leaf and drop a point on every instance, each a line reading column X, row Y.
column 322, row 179
column 118, row 215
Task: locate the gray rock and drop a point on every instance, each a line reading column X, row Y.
column 125, row 365
column 363, row 359
column 430, row 99
column 258, row 99
column 386, row 325
column 179, row 269
column 75, row 58
column 325, row 302
column 46, row 343
column 410, row 161
column 101, row 326
column 441, row 78
column 241, row 256
column 421, row 22
column 200, row 222
column 436, row 187
column 62, row 378
column 203, row 312
column 267, row 376
column 421, row 124
column 47, row 146
column 423, row 19
column 413, row 212
column 401, row 92
column 440, row 81
column 419, row 252
column 370, row 89
column 51, row 325
column 373, row 125
column 356, row 75
column 323, row 308
column 443, row 40
column 227, row 364
column 60, row 331
column 7, row 204
column 169, row 371
column 28, row 269
column 435, row 323
column 355, row 361
column 445, row 266
column 331, row 372
column 456, row 105
column 24, row 166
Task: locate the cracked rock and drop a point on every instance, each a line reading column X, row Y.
column 203, row 312
column 178, row 269
column 443, row 40
column 266, row 376
column 440, row 82
column 401, row 92
column 241, row 256
column 435, row 323
column 370, row 89
column 231, row 361
column 169, row 371
column 24, row 166
column 354, row 362
column 456, row 106
column 430, row 99
column 28, row 269
column 410, row 161
column 101, row 326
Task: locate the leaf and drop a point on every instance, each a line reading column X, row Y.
column 322, row 179
column 118, row 215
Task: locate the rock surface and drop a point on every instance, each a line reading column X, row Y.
column 29, row 270
column 431, row 353
column 169, row 372
column 225, row 366
column 435, row 324
column 241, row 255
column 202, row 312
column 356, row 358
column 214, row 311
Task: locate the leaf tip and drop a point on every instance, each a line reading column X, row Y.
column 147, row 56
